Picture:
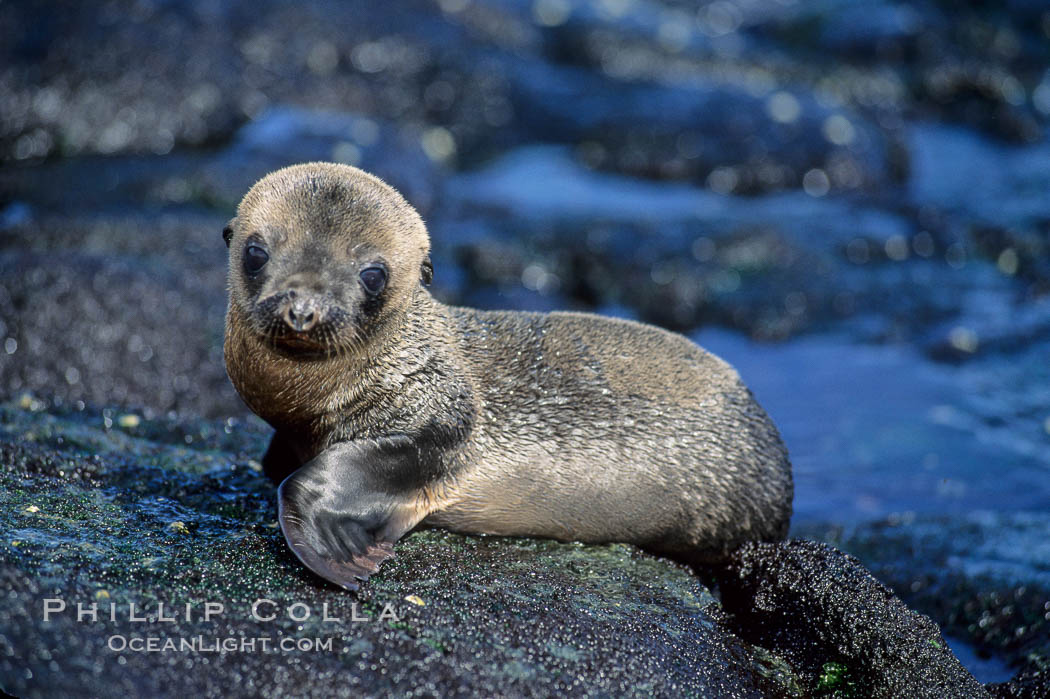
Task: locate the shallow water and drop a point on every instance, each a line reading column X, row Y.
column 878, row 430
column 985, row 669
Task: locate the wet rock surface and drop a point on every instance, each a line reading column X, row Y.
column 870, row 642
column 847, row 201
column 989, row 582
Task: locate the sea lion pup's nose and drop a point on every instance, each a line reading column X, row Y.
column 301, row 312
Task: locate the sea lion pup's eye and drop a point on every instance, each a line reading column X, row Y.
column 255, row 257
column 373, row 278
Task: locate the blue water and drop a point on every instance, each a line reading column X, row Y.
column 878, row 430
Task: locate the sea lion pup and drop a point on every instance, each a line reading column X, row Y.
column 392, row 409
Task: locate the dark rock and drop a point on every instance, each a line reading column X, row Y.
column 127, row 77
column 722, row 135
column 283, row 136
column 772, row 266
column 874, row 28
column 985, row 576
column 1034, row 684
column 969, row 64
column 839, row 627
column 117, row 308
column 981, row 96
column 109, row 78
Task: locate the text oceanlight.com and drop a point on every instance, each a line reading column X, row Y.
column 230, row 644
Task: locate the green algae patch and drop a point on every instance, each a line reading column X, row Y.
column 835, row 681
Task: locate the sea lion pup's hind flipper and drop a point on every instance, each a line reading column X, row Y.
column 342, row 512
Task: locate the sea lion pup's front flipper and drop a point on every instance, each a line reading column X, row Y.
column 342, row 512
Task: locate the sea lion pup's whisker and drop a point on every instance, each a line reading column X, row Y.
column 274, row 334
column 356, row 341
column 331, row 343
column 349, row 339
column 562, row 425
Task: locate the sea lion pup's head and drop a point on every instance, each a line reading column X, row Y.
column 321, row 256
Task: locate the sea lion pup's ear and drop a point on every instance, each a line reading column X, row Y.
column 426, row 271
column 227, row 232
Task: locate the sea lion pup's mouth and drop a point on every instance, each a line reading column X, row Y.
column 304, row 326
